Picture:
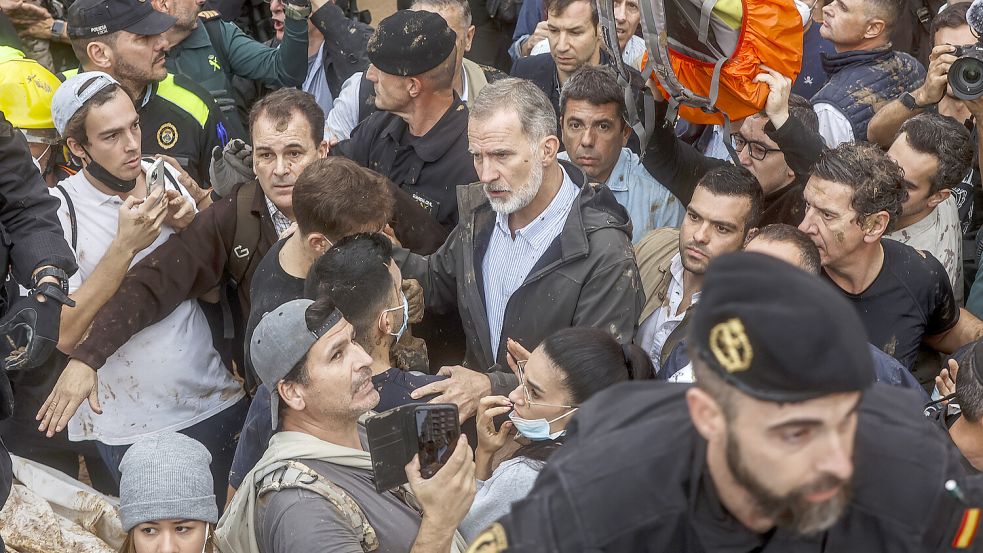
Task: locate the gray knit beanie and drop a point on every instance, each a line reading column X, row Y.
column 166, row 476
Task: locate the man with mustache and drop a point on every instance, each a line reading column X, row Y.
column 538, row 248
column 726, row 205
column 784, row 444
column 125, row 39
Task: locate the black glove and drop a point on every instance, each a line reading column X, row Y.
column 29, row 330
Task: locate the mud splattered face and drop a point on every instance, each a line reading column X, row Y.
column 830, row 221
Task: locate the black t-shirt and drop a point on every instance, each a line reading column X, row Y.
column 271, row 288
column 911, row 298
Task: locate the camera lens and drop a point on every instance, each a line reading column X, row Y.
column 966, row 78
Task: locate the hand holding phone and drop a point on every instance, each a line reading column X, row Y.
column 155, row 177
column 430, row 431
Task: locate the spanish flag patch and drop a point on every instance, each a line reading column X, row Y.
column 967, row 529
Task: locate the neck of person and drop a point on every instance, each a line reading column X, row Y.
column 692, row 283
column 955, row 108
column 314, row 42
column 177, row 35
column 858, row 271
column 738, row 502
column 594, row 60
column 140, row 187
column 866, row 44
column 458, row 83
column 967, row 437
column 381, row 347
column 296, row 256
column 906, row 221
column 552, row 181
column 426, row 110
column 341, row 432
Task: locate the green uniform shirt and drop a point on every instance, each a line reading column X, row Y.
column 212, row 65
column 179, row 119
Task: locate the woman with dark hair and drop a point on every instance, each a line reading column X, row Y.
column 563, row 372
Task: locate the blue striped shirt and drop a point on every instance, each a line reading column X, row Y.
column 508, row 261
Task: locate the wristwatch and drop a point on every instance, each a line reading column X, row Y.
column 908, row 101
column 58, row 29
column 59, row 274
column 297, row 9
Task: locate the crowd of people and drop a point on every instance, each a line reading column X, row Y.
column 223, row 261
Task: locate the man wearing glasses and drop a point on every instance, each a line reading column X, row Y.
column 779, row 146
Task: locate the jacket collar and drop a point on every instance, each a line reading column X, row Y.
column 433, row 145
column 835, row 62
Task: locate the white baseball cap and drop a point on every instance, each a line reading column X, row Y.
column 74, row 93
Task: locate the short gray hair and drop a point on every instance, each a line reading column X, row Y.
column 461, row 6
column 536, row 114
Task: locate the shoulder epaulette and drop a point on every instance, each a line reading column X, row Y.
column 179, row 92
column 209, row 14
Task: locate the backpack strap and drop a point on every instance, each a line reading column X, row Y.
column 72, row 219
column 297, row 475
column 245, row 241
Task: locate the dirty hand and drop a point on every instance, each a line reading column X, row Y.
column 936, row 77
column 414, row 297
column 489, row 439
column 463, row 387
column 140, row 221
column 779, row 89
column 230, row 166
column 77, row 382
column 186, row 180
column 180, row 212
column 946, row 381
column 447, row 495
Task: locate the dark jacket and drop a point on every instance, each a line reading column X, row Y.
column 589, row 496
column 862, row 79
column 586, row 277
column 427, row 167
column 188, row 265
column 680, row 166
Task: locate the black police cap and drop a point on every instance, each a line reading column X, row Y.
column 93, row 18
column 778, row 333
column 410, row 42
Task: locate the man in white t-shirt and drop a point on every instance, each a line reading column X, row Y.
column 169, row 376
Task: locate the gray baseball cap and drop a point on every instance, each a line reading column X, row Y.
column 74, row 93
column 280, row 340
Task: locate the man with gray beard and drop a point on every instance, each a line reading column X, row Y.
column 537, row 249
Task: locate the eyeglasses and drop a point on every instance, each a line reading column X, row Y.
column 758, row 150
column 521, row 366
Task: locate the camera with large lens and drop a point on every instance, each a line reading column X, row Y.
column 966, row 73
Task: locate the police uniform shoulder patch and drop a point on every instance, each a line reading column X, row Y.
column 209, row 14
column 731, row 346
column 492, row 540
column 167, row 136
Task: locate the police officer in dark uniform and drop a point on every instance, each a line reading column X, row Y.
column 178, row 118
column 412, row 57
column 34, row 251
column 785, row 444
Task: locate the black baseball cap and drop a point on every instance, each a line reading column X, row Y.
column 778, row 333
column 93, row 18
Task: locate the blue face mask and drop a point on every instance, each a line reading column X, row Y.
column 537, row 429
column 406, row 318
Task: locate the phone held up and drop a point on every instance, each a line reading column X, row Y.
column 395, row 436
column 155, row 176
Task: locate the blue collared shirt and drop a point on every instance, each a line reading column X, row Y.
column 508, row 261
column 649, row 204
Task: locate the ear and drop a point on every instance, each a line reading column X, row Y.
column 875, row 28
column 875, row 226
column 469, row 38
column 318, row 242
column 100, row 55
column 292, row 394
column 159, row 5
column 750, row 235
column 414, row 87
column 322, row 149
column 549, row 147
column 76, row 149
column 625, row 133
column 935, row 199
column 707, row 416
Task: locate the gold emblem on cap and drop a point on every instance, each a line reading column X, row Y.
column 167, row 136
column 730, row 345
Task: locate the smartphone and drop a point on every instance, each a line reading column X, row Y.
column 430, row 430
column 155, row 176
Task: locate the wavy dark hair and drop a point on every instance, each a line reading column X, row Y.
column 877, row 181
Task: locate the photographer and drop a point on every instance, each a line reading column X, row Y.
column 313, row 490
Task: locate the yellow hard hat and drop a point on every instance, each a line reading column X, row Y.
column 26, row 88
